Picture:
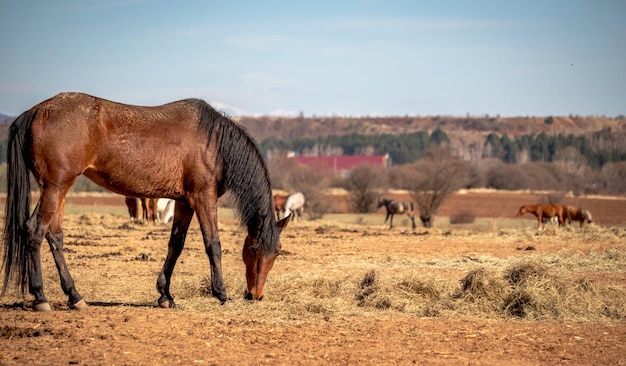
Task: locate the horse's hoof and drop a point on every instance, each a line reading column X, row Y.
column 81, row 305
column 43, row 306
column 168, row 304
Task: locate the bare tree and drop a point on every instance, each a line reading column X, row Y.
column 434, row 178
column 614, row 175
column 364, row 184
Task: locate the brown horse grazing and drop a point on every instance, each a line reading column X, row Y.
column 279, row 203
column 544, row 211
column 578, row 214
column 120, row 147
column 148, row 209
column 396, row 207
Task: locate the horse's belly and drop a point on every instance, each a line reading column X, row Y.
column 138, row 180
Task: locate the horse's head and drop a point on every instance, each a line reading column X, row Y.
column 381, row 203
column 259, row 265
column 522, row 210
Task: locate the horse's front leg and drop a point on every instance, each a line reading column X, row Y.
column 207, row 218
column 412, row 221
column 182, row 218
column 391, row 222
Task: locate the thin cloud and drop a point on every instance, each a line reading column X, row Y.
column 255, row 42
column 104, row 4
column 428, row 24
column 267, row 79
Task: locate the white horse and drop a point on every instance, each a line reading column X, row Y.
column 164, row 210
column 295, row 203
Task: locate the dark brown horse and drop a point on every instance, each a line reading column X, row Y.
column 578, row 214
column 396, row 207
column 120, row 147
column 544, row 211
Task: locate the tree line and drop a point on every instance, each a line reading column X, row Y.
column 596, row 149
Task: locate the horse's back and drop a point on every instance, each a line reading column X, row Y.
column 121, row 147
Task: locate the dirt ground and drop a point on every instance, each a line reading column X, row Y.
column 115, row 264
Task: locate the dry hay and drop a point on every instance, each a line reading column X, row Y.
column 540, row 286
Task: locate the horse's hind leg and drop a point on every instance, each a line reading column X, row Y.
column 47, row 218
column 182, row 218
column 34, row 229
column 54, row 235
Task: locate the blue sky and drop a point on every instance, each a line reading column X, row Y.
column 352, row 58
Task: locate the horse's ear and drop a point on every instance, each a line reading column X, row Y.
column 283, row 223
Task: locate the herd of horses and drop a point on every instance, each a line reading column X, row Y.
column 543, row 212
column 551, row 212
column 120, row 147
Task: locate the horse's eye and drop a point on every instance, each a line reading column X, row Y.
column 253, row 250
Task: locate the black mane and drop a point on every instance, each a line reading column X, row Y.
column 244, row 173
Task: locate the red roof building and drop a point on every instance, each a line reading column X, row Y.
column 341, row 165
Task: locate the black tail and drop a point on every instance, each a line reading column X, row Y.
column 17, row 209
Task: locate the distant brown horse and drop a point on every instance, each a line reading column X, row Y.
column 578, row 214
column 279, row 204
column 120, row 147
column 544, row 211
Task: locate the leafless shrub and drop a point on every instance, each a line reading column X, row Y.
column 435, row 177
column 364, row 184
column 463, row 217
column 288, row 175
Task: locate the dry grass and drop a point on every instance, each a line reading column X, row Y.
column 338, row 269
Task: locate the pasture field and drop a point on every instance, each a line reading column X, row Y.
column 345, row 291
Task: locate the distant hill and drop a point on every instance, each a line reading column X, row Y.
column 283, row 128
column 4, row 118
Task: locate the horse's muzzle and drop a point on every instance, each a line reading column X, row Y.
column 257, row 268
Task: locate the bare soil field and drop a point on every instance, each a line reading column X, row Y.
column 345, row 291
